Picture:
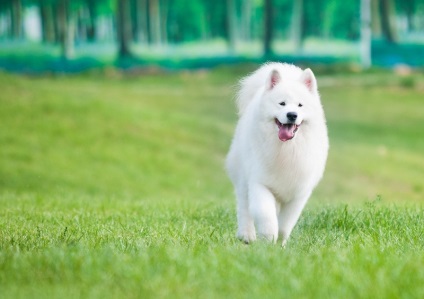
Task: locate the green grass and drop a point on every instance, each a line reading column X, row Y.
column 113, row 186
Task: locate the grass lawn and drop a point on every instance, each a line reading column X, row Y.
column 113, row 186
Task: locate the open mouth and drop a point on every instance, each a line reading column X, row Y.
column 286, row 131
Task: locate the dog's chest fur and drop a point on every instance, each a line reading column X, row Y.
column 289, row 168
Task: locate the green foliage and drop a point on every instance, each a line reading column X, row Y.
column 407, row 81
column 340, row 20
column 113, row 186
column 283, row 18
column 188, row 19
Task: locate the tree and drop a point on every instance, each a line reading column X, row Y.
column 65, row 29
column 123, row 28
column 139, row 18
column 92, row 16
column 409, row 7
column 387, row 10
column 268, row 28
column 231, row 25
column 164, row 21
column 16, row 18
column 47, row 21
column 246, row 20
column 366, row 33
column 155, row 26
column 297, row 26
column 375, row 18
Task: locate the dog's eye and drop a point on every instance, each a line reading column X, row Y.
column 283, row 103
column 300, row 105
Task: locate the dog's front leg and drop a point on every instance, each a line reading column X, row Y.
column 262, row 207
column 289, row 215
column 246, row 229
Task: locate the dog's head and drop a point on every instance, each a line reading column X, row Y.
column 291, row 103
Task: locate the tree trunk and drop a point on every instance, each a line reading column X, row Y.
column 298, row 25
column 47, row 22
column 246, row 18
column 387, row 26
column 409, row 11
column 82, row 30
column 268, row 28
column 61, row 23
column 140, row 21
column 92, row 16
column 123, row 28
column 16, row 19
column 70, row 35
column 65, row 29
column 366, row 33
column 231, row 26
column 155, row 33
column 205, row 30
column 164, row 21
column 375, row 18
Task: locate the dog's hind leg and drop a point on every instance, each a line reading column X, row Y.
column 288, row 216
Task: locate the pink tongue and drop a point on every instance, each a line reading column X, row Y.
column 286, row 132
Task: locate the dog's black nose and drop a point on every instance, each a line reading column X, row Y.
column 291, row 116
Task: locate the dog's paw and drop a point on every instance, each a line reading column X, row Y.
column 246, row 237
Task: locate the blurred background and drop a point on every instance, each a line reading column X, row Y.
column 134, row 98
column 75, row 35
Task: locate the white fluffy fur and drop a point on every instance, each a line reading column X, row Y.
column 273, row 179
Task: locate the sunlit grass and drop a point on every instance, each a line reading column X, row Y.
column 375, row 136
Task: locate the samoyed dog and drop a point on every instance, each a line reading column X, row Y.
column 279, row 150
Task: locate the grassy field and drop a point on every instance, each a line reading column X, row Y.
column 113, row 186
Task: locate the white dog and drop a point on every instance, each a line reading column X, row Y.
column 279, row 150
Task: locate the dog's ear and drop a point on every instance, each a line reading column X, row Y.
column 274, row 78
column 309, row 80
